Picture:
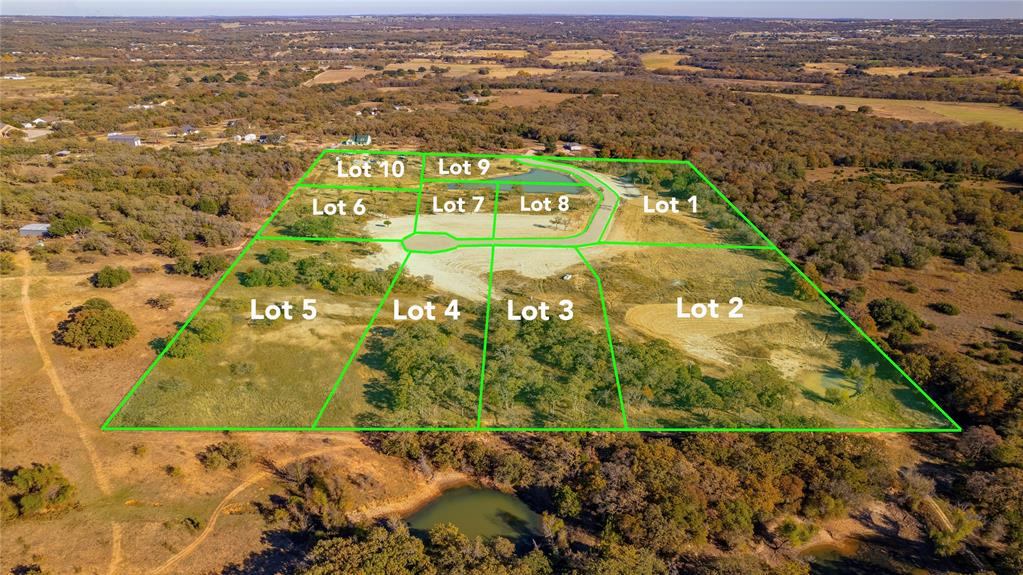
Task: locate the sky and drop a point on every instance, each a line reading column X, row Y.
column 917, row 9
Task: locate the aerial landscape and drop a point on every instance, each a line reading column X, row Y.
column 533, row 293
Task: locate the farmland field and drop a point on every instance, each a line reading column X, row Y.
column 921, row 110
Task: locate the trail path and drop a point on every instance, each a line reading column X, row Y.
column 66, row 406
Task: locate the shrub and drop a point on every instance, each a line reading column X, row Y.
column 96, row 324
column 183, row 266
column 162, row 301
column 58, row 265
column 109, row 277
column 229, row 454
column 890, row 314
column 187, row 345
column 275, row 254
column 67, row 224
column 209, row 265
column 7, row 265
column 210, row 330
column 945, row 308
column 795, row 532
column 35, row 490
column 8, row 241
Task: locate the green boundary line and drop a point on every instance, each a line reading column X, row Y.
column 357, row 188
column 209, row 294
column 504, row 182
column 956, row 426
column 362, row 339
column 563, row 429
column 493, row 244
column 610, row 344
column 486, row 336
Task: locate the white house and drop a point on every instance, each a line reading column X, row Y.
column 250, row 138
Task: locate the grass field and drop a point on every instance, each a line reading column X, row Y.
column 658, row 61
column 579, row 56
column 527, row 98
column 900, row 70
column 339, row 76
column 921, row 110
column 805, row 341
column 825, row 67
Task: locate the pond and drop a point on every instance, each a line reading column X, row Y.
column 534, row 175
column 478, row 512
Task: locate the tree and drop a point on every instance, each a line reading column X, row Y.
column 803, row 290
column 863, row 376
column 950, row 542
column 209, row 265
column 35, row 490
column 109, row 277
column 7, row 265
column 379, row 552
column 275, row 254
column 229, row 454
column 95, row 324
column 567, row 502
column 69, row 223
column 893, row 315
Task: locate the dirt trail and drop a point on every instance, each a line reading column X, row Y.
column 116, row 555
column 219, row 509
column 83, row 431
column 439, row 483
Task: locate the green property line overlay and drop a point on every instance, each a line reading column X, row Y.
column 493, row 242
column 362, row 339
column 486, row 334
column 610, row 344
column 202, row 303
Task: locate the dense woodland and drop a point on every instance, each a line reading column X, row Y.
column 611, row 503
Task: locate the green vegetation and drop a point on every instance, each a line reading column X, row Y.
column 109, row 277
column 226, row 454
column 945, row 308
column 35, row 490
column 95, row 324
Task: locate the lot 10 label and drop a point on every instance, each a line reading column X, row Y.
column 369, row 169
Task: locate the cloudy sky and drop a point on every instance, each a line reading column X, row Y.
column 733, row 8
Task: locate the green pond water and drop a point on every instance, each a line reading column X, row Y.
column 478, row 512
column 535, row 175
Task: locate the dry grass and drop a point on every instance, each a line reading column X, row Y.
column 527, row 98
column 658, row 61
column 825, row 67
column 339, row 76
column 900, row 70
column 921, row 110
column 579, row 56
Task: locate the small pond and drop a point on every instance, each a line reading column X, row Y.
column 478, row 512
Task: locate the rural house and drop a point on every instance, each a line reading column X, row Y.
column 34, row 230
column 119, row 138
